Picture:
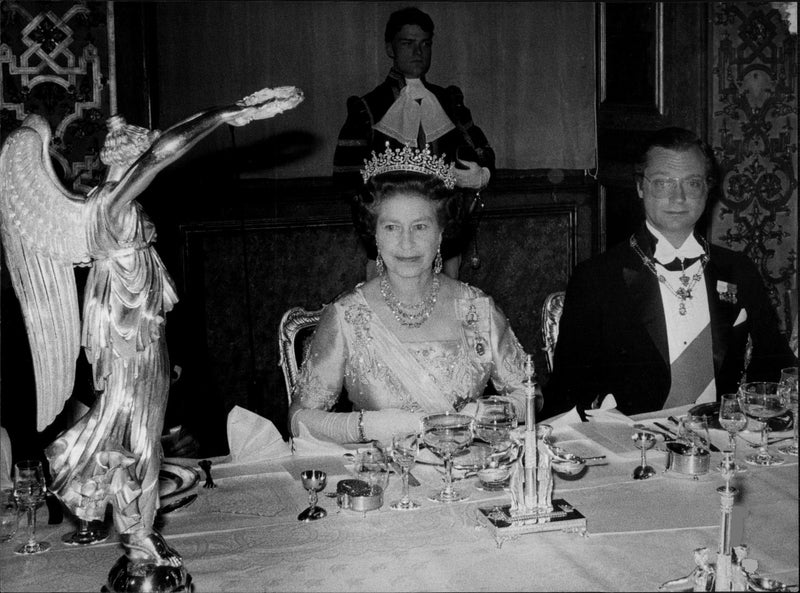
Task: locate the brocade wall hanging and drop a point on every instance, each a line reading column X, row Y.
column 57, row 61
column 754, row 135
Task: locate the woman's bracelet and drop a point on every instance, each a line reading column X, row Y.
column 362, row 435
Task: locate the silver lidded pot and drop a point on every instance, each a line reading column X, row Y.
column 687, row 459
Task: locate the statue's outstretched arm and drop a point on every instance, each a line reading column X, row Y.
column 178, row 139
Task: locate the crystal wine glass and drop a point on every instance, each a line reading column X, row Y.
column 29, row 492
column 762, row 401
column 788, row 386
column 313, row 480
column 494, row 420
column 733, row 419
column 446, row 434
column 404, row 452
column 644, row 440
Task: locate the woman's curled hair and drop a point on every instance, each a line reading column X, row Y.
column 449, row 204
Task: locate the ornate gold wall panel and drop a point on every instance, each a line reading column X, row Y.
column 754, row 135
column 57, row 61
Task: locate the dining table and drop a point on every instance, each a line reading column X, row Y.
column 244, row 534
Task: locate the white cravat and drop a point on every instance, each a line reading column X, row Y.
column 416, row 106
column 665, row 252
column 683, row 329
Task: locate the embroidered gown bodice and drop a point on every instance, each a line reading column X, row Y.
column 352, row 348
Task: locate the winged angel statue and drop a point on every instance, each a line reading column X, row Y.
column 113, row 453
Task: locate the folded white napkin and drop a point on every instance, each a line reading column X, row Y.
column 254, row 438
column 307, row 445
column 606, row 413
column 565, row 419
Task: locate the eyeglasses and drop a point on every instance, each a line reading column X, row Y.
column 693, row 187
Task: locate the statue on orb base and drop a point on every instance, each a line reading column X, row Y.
column 113, row 453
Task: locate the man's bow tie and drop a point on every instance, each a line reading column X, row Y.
column 675, row 264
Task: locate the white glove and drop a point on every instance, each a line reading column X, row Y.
column 473, row 177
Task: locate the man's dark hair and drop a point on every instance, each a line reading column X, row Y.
column 407, row 16
column 679, row 139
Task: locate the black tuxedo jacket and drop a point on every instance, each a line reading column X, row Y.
column 613, row 336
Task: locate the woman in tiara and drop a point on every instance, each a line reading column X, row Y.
column 411, row 341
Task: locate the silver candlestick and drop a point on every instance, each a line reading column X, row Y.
column 532, row 508
column 733, row 571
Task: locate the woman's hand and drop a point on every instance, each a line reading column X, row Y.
column 382, row 425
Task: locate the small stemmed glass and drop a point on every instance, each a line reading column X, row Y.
column 643, row 440
column 733, row 419
column 762, row 401
column 29, row 492
column 446, row 434
column 313, row 480
column 88, row 532
column 788, row 386
column 404, row 452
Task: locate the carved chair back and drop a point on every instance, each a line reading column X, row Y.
column 551, row 316
column 294, row 332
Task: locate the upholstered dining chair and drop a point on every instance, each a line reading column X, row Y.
column 296, row 327
column 551, row 316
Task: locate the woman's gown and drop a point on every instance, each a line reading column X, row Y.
column 352, row 348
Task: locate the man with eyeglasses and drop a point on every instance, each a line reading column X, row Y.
column 665, row 319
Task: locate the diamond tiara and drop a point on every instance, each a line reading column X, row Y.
column 408, row 159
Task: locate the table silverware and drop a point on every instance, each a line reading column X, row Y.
column 671, row 434
column 205, row 465
column 666, row 434
column 769, row 442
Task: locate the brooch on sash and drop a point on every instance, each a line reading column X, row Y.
column 471, row 320
column 727, row 292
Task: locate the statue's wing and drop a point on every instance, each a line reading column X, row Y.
column 43, row 234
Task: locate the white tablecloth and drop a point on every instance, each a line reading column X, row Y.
column 244, row 535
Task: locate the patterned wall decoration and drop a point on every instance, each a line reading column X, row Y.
column 754, row 135
column 55, row 59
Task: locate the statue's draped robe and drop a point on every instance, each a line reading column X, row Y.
column 113, row 453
